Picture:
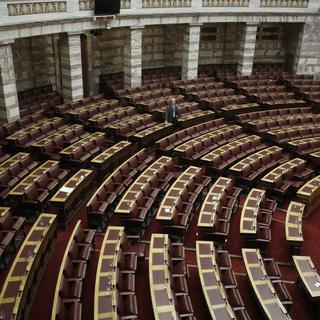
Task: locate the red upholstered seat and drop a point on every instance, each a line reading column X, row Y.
column 125, row 283
column 79, row 251
column 272, row 268
column 71, row 310
column 70, row 289
column 74, row 269
column 234, row 298
column 84, row 236
column 223, row 259
column 127, row 306
column 184, row 306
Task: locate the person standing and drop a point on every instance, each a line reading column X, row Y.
column 172, row 112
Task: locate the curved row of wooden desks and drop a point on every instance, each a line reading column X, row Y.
column 37, row 246
column 27, row 268
column 262, row 286
column 211, row 284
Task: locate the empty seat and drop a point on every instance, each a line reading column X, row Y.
column 184, row 306
column 79, row 251
column 84, row 236
column 70, row 288
column 127, row 261
column 272, row 268
column 69, row 310
column 127, row 306
column 74, row 269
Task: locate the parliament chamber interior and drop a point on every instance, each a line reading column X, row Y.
column 110, row 212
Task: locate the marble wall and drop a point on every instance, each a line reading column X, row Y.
column 271, row 43
column 34, row 62
column 9, row 110
column 307, row 54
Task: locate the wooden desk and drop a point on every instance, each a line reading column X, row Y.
column 25, row 273
column 195, row 117
column 127, row 201
column 67, row 152
column 55, row 136
column 153, row 133
column 250, row 210
column 207, row 215
column 38, row 126
column 234, row 107
column 276, row 173
column 105, row 115
column 296, row 143
column 315, row 156
column 115, row 127
column 309, row 276
column 216, row 153
column 21, row 188
column 162, row 296
column 294, row 223
column 111, row 155
column 13, row 161
column 262, row 286
column 4, row 211
column 309, row 193
column 294, row 132
column 211, row 284
column 60, row 274
column 72, row 194
column 105, row 297
column 209, row 135
column 170, row 199
column 241, row 165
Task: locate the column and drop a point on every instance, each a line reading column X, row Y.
column 50, row 61
column 132, row 57
column 39, row 61
column 71, row 66
column 87, row 62
column 190, row 51
column 56, row 57
column 247, row 48
column 307, row 55
column 9, row 107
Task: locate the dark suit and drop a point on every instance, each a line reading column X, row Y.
column 172, row 113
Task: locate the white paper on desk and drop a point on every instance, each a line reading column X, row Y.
column 317, row 284
column 66, row 189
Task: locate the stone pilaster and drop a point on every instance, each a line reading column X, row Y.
column 133, row 57
column 88, row 65
column 307, row 56
column 50, row 60
column 172, row 47
column 9, row 107
column 39, row 61
column 57, row 69
column 190, row 53
column 247, row 48
column 71, row 66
